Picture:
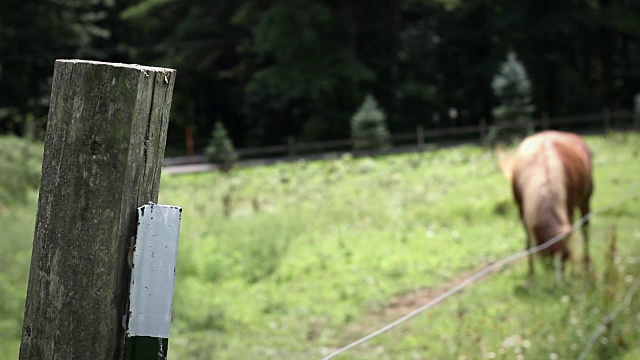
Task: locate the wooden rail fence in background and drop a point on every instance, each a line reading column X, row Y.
column 606, row 121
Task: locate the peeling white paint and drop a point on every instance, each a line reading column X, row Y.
column 152, row 277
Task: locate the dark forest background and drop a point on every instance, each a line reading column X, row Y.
column 270, row 69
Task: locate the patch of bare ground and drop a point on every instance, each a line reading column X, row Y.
column 400, row 306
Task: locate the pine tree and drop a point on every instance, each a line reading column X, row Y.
column 511, row 85
column 368, row 126
column 220, row 150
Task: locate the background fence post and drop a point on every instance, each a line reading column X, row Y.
column 482, row 130
column 420, row 136
column 545, row 121
column 291, row 147
column 188, row 134
column 606, row 116
column 104, row 147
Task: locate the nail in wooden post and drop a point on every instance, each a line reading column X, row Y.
column 103, row 154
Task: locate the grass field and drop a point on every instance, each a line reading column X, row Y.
column 292, row 261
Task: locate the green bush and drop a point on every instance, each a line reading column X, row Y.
column 368, row 126
column 19, row 169
column 220, row 150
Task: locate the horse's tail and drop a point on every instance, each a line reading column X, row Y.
column 505, row 162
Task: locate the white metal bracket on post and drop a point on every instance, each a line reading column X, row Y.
column 152, row 279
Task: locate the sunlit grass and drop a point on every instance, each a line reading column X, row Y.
column 310, row 248
column 294, row 260
column 16, row 233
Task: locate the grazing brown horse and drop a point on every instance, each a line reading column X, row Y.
column 551, row 175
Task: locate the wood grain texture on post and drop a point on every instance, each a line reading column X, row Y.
column 103, row 154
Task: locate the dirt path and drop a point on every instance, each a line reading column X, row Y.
column 403, row 304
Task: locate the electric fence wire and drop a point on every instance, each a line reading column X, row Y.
column 482, row 273
column 607, row 320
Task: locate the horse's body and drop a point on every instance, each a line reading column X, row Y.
column 551, row 176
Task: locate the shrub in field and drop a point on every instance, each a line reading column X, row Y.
column 220, row 150
column 512, row 87
column 19, row 169
column 368, row 126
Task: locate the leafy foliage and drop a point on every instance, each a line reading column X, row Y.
column 302, row 62
column 511, row 85
column 368, row 126
column 19, row 169
column 298, row 68
column 220, row 149
column 32, row 36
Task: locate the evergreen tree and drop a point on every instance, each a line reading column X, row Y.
column 33, row 35
column 220, row 150
column 368, row 126
column 512, row 87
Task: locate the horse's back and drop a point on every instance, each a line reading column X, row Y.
column 577, row 162
column 566, row 150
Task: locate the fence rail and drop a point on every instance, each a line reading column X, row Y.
column 609, row 119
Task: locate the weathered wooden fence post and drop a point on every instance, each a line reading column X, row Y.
column 482, row 130
column 545, row 121
column 420, row 136
column 606, row 116
column 291, row 147
column 103, row 155
column 188, row 135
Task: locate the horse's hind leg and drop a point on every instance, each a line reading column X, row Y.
column 527, row 247
column 586, row 259
column 530, row 257
column 559, row 260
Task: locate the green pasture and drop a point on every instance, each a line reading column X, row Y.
column 293, row 261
